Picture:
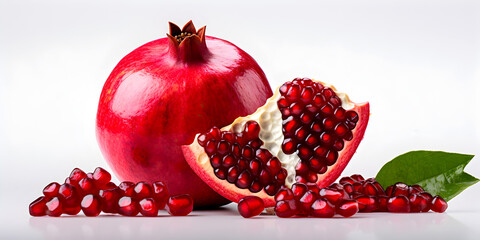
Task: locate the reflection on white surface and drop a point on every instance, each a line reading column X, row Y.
column 227, row 224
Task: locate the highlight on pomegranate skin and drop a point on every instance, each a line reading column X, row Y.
column 306, row 132
column 93, row 193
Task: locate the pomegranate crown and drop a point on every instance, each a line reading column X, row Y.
column 188, row 44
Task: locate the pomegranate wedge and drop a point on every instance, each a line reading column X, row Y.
column 306, row 132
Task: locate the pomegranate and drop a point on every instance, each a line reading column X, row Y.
column 250, row 206
column 163, row 93
column 306, row 132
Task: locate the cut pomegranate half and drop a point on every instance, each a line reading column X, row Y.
column 306, row 132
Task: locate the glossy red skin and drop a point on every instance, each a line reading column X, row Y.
column 153, row 102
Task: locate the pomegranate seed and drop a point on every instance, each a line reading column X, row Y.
column 306, row 202
column 284, row 194
column 127, row 206
column 274, row 166
column 180, row 205
column 109, row 200
column 250, row 206
column 369, row 189
column 255, row 187
column 223, row 147
column 265, row 177
column 298, row 190
column 271, row 189
column 357, row 177
column 202, row 139
column 333, row 196
column 109, row 185
column 418, row 203
column 286, row 208
column 313, row 187
column 87, row 186
column 76, row 175
column 398, row 204
column 348, row 188
column 51, row 190
column 91, row 205
column 148, row 207
column 54, row 207
column 38, row 208
column 322, row 208
column 366, row 203
column 160, row 194
column 415, row 189
column 252, row 129
column 382, row 202
column 101, row 176
column 439, row 204
column 347, row 208
column 142, row 190
column 400, row 189
column 127, row 188
column 244, row 180
column 70, row 199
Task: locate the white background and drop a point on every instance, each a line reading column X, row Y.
column 416, row 62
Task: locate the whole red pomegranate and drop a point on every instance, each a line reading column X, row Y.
column 163, row 93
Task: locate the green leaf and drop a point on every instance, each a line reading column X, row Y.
column 439, row 173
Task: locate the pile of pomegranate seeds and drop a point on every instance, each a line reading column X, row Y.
column 93, row 193
column 239, row 159
column 354, row 194
column 315, row 126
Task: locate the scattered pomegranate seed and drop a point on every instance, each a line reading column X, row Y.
column 250, row 206
column 180, row 205
column 347, row 208
column 286, row 208
column 323, row 209
column 54, row 207
column 109, row 200
column 148, row 207
column 87, row 186
column 101, row 177
column 127, row 188
column 160, row 194
column 51, row 190
column 142, row 190
column 38, row 208
column 399, row 204
column 76, row 175
column 127, row 206
column 91, row 205
column 439, row 204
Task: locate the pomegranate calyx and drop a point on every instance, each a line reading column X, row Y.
column 188, row 44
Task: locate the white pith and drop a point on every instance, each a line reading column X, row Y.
column 270, row 120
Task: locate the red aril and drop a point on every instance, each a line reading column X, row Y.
column 101, row 177
column 51, row 190
column 54, row 207
column 91, row 205
column 286, row 208
column 160, row 194
column 250, row 206
column 109, row 200
column 148, row 207
column 70, row 198
column 322, row 208
column 38, row 208
column 439, row 204
column 128, row 206
column 306, row 132
column 180, row 205
column 398, row 204
column 366, row 203
column 127, row 188
column 163, row 93
column 142, row 190
column 87, row 186
column 76, row 175
column 347, row 208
